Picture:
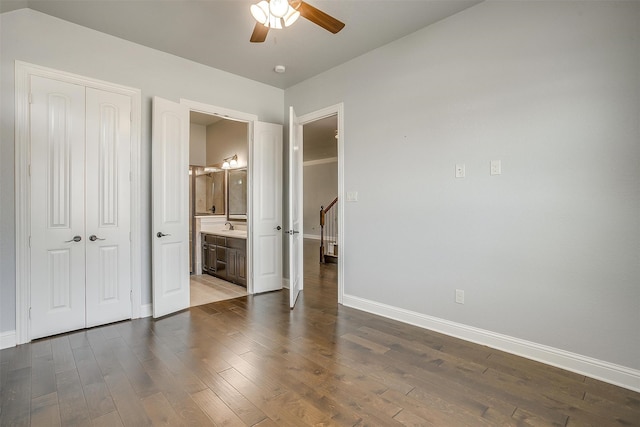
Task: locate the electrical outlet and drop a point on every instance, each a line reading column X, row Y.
column 496, row 167
column 460, row 170
column 459, row 296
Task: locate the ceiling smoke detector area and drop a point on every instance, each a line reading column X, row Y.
column 280, row 69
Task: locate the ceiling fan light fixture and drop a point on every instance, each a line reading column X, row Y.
column 291, row 17
column 279, row 8
column 275, row 22
column 260, row 12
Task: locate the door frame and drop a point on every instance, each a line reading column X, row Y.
column 23, row 73
column 248, row 118
column 338, row 110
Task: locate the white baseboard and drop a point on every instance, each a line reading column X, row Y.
column 146, row 310
column 311, row 236
column 7, row 339
column 285, row 283
column 584, row 365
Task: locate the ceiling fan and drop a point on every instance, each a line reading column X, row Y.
column 282, row 13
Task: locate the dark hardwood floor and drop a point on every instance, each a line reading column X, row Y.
column 253, row 362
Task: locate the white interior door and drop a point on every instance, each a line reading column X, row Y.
column 57, row 204
column 170, row 164
column 295, row 208
column 108, row 254
column 266, row 207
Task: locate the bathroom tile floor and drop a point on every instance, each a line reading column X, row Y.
column 206, row 289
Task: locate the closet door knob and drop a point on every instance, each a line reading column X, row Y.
column 161, row 234
column 75, row 239
column 93, row 238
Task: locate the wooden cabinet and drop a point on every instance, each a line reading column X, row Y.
column 237, row 260
column 225, row 257
column 208, row 254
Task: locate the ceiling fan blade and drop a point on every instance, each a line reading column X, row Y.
column 318, row 17
column 259, row 33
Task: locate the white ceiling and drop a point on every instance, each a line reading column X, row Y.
column 216, row 32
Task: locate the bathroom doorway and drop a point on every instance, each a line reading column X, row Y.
column 218, row 151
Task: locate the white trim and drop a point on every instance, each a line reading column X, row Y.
column 320, row 161
column 7, row 339
column 311, row 236
column 583, row 365
column 338, row 110
column 219, row 111
column 23, row 73
column 285, row 283
column 146, row 310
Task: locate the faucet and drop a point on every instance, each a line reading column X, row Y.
column 229, row 224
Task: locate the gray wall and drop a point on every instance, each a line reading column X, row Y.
column 320, row 188
column 43, row 40
column 549, row 251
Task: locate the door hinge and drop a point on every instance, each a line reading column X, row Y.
column 130, row 116
column 29, row 241
column 29, row 313
column 131, row 295
column 129, row 236
column 29, row 170
column 30, row 98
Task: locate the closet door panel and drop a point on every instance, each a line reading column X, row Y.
column 57, row 207
column 108, row 145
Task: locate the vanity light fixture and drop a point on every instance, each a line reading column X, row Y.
column 230, row 162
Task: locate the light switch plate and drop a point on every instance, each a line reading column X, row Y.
column 352, row 196
column 460, row 170
column 496, row 167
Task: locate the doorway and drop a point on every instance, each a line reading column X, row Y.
column 170, row 231
column 331, row 118
column 320, row 207
column 218, row 152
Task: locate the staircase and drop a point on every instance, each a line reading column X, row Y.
column 329, row 233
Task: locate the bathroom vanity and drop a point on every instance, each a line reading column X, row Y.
column 224, row 255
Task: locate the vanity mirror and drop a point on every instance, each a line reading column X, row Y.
column 208, row 190
column 237, row 193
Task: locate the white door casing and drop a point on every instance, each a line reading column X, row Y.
column 266, row 207
column 57, row 202
column 337, row 110
column 108, row 254
column 170, row 231
column 296, row 277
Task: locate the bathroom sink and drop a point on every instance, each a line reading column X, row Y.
column 242, row 234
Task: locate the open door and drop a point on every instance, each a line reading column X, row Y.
column 170, row 232
column 295, row 208
column 266, row 207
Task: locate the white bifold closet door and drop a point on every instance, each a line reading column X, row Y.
column 80, row 207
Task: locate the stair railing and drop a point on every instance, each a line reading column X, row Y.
column 329, row 230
